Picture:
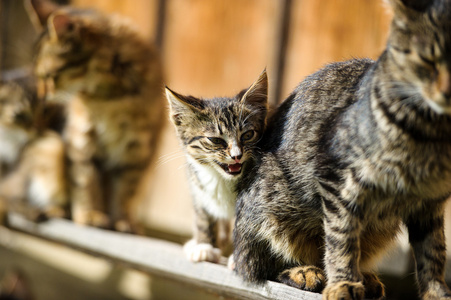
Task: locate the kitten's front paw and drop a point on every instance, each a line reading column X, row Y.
column 123, row 226
column 307, row 278
column 344, row 290
column 437, row 290
column 92, row 218
column 231, row 263
column 55, row 211
column 201, row 252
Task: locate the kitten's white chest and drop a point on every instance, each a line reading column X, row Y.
column 215, row 193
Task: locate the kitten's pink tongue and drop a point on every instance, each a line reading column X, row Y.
column 234, row 168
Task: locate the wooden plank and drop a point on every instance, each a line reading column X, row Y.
column 325, row 31
column 156, row 257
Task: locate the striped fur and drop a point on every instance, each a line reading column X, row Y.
column 31, row 161
column 219, row 137
column 108, row 78
column 359, row 148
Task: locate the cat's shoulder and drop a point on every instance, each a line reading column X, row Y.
column 344, row 71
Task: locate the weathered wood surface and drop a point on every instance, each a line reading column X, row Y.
column 156, row 257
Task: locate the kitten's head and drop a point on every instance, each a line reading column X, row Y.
column 420, row 44
column 85, row 50
column 15, row 107
column 221, row 133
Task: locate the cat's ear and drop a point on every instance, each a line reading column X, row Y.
column 405, row 10
column 60, row 24
column 39, row 12
column 181, row 106
column 257, row 94
column 417, row 5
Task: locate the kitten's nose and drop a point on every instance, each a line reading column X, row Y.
column 237, row 158
column 235, row 152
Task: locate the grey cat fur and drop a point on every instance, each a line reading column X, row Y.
column 359, row 148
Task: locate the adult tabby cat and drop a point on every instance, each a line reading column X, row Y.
column 218, row 136
column 108, row 76
column 359, row 148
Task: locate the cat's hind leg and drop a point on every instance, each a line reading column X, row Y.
column 308, row 278
column 122, row 197
column 87, row 207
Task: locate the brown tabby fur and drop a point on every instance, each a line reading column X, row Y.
column 31, row 162
column 109, row 79
column 359, row 148
column 219, row 137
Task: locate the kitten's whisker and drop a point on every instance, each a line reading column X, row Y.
column 169, row 159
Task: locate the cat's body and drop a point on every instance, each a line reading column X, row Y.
column 219, row 137
column 359, row 148
column 109, row 79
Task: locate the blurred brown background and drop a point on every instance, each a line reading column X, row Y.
column 209, row 48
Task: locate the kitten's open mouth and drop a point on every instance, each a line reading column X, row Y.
column 233, row 169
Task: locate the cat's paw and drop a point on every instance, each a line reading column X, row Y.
column 437, row 291
column 344, row 290
column 123, row 226
column 231, row 265
column 55, row 211
column 197, row 252
column 91, row 218
column 307, row 278
column 374, row 289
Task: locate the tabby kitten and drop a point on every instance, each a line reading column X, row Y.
column 108, row 76
column 16, row 124
column 31, row 162
column 219, row 137
column 359, row 148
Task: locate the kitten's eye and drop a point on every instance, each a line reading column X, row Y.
column 248, row 135
column 217, row 141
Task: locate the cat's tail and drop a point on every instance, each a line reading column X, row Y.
column 255, row 264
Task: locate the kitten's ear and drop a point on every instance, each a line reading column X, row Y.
column 39, row 12
column 181, row 106
column 60, row 24
column 257, row 94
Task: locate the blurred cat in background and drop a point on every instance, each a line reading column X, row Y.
column 31, row 161
column 108, row 78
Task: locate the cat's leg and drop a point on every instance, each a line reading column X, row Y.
column 308, row 278
column 374, row 289
column 85, row 192
column 342, row 241
column 202, row 246
column 121, row 196
column 44, row 162
column 85, row 195
column 427, row 238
